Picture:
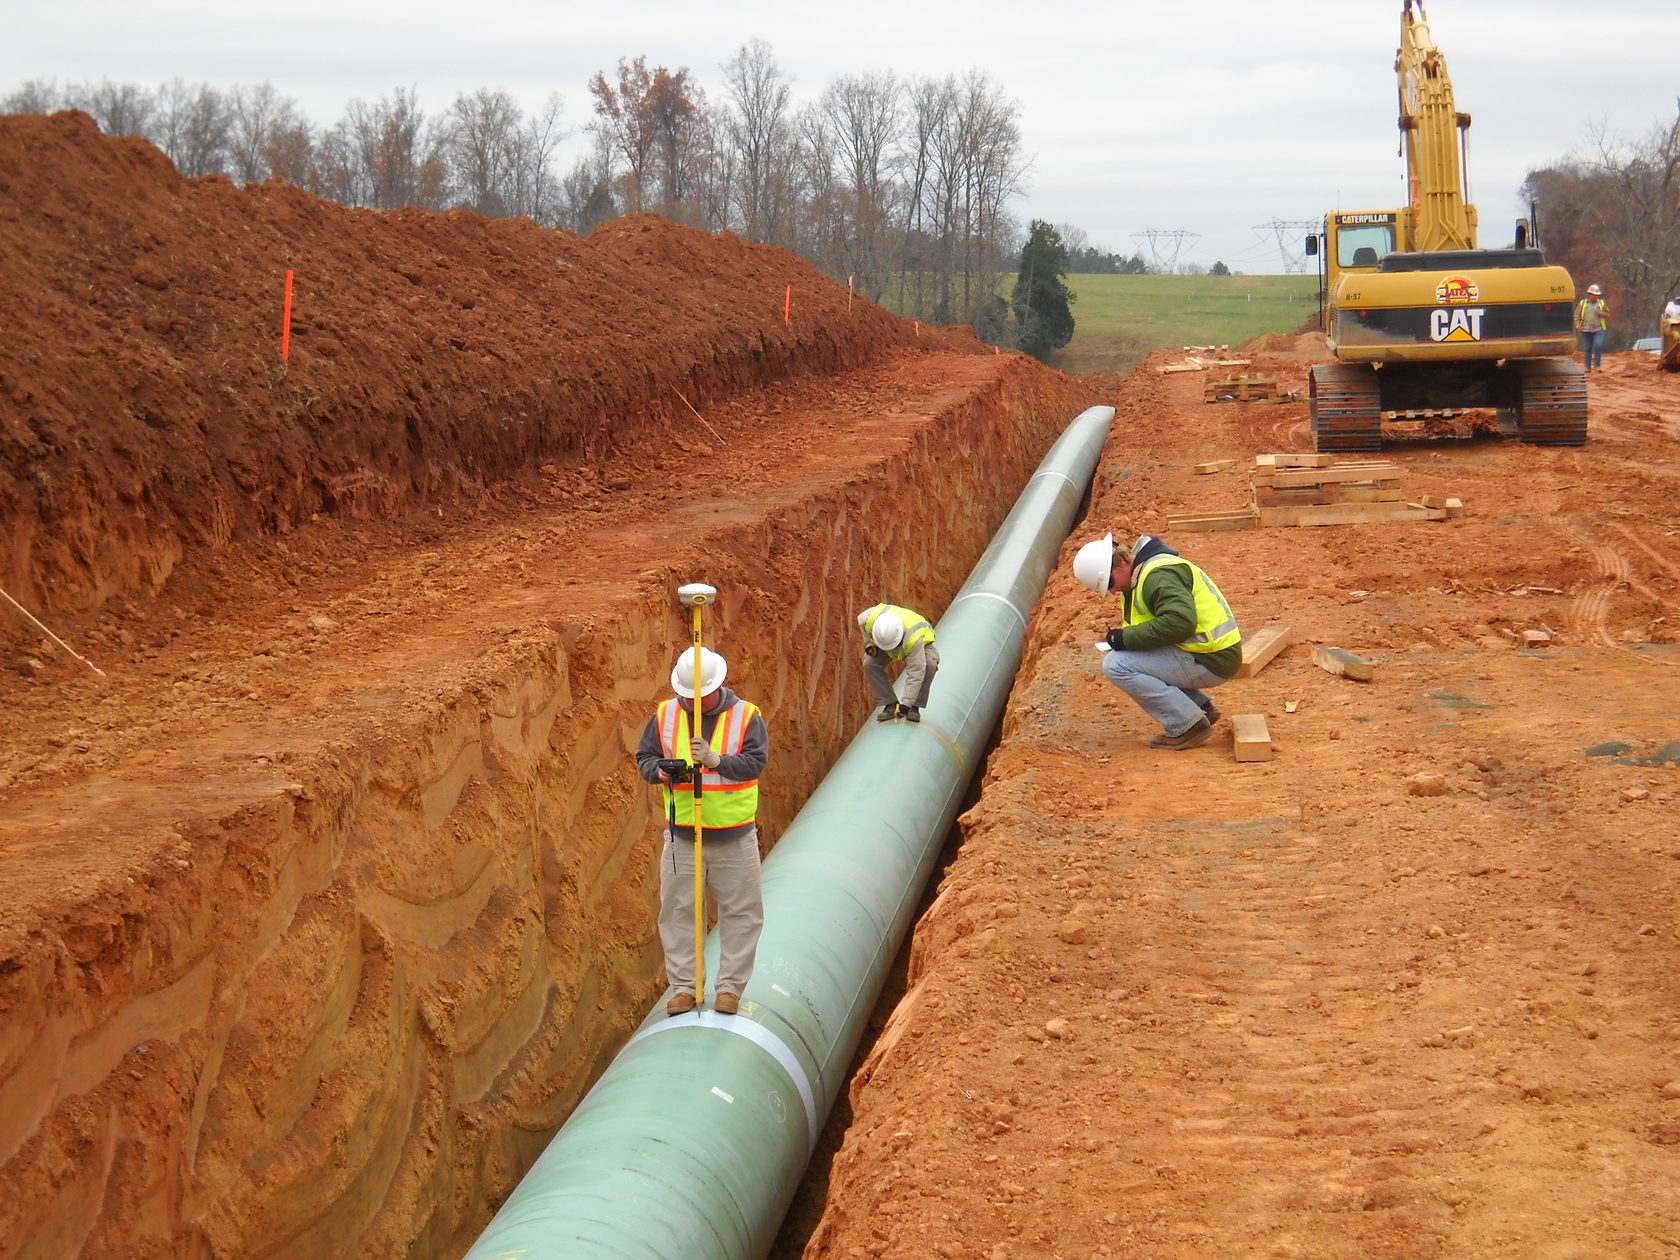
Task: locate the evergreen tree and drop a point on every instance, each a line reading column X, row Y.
column 1041, row 300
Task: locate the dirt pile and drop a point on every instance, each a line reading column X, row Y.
column 145, row 407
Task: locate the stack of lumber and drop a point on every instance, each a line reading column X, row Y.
column 1312, row 489
column 1201, row 363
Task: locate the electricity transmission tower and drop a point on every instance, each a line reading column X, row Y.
column 1294, row 261
column 1159, row 240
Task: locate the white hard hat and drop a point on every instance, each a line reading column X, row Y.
column 1594, row 290
column 888, row 631
column 1094, row 562
column 712, row 669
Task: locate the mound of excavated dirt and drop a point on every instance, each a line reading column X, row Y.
column 145, row 408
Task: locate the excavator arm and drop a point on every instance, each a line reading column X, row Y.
column 1432, row 133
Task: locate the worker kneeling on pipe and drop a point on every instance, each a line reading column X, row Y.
column 891, row 633
column 1178, row 638
column 729, row 752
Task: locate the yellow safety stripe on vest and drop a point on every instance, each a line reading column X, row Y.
column 1211, row 635
column 917, row 630
column 734, row 803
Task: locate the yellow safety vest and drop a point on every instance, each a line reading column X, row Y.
column 1216, row 625
column 726, row 803
column 917, row 631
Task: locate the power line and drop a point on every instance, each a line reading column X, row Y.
column 1158, row 240
column 1294, row 261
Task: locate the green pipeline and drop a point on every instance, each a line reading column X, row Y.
column 696, row 1136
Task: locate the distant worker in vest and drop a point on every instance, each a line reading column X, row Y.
column 891, row 633
column 1592, row 317
column 1178, row 638
column 729, row 752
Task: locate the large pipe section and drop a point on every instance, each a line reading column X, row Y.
column 694, row 1140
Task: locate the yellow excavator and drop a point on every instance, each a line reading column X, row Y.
column 1423, row 323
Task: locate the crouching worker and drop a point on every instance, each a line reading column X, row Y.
column 1177, row 640
column 891, row 633
column 728, row 751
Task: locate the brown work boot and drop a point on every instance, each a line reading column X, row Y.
column 1197, row 734
column 1211, row 711
column 910, row 713
column 727, row 1003
column 887, row 714
column 680, row 1003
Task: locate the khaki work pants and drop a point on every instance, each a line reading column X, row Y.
column 732, row 877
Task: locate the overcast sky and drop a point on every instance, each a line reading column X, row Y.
column 1202, row 122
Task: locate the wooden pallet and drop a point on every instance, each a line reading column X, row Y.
column 1240, row 389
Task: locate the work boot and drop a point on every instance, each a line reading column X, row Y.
column 680, row 1003
column 1197, row 734
column 727, row 1003
column 1210, row 710
column 887, row 714
column 910, row 713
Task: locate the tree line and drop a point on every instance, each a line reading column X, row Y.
column 1612, row 217
column 896, row 186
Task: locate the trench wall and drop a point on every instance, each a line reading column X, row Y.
column 346, row 1010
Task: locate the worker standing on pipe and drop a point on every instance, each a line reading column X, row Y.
column 1178, row 637
column 729, row 752
column 891, row 633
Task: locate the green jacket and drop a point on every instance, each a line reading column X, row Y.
column 1167, row 591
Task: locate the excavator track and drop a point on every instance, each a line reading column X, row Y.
column 1344, row 401
column 1553, row 410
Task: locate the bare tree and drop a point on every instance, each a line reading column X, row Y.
column 397, row 159
column 120, row 109
column 481, row 139
column 36, row 96
column 865, row 117
column 1615, row 216
column 193, row 127
column 535, row 192
column 261, row 123
column 761, row 139
column 586, row 194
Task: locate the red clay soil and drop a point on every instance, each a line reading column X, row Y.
column 1409, row 989
column 329, row 899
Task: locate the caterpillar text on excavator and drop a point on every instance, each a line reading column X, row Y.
column 1420, row 320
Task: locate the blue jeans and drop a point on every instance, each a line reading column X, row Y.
column 1592, row 349
column 1167, row 682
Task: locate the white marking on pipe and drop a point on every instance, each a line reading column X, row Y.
column 761, row 1037
column 1010, row 604
column 728, row 1098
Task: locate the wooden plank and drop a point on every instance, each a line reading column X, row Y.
column 1342, row 663
column 1454, row 508
column 1531, row 638
column 1347, row 514
column 1337, row 475
column 1311, row 496
column 1252, row 740
column 1213, row 520
column 1295, row 459
column 1259, row 648
column 1170, row 367
column 1211, row 466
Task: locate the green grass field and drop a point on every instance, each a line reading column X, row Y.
column 1119, row 319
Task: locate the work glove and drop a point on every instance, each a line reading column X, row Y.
column 869, row 649
column 1116, row 639
column 702, row 752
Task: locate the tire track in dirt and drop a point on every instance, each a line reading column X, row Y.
column 1304, row 1118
